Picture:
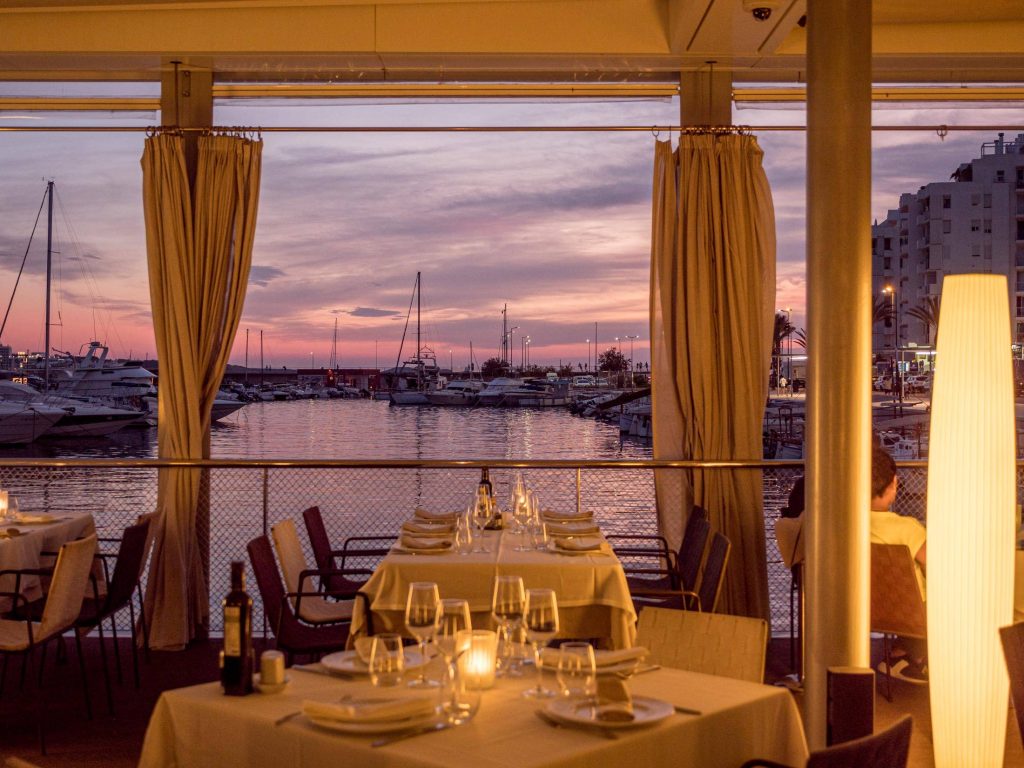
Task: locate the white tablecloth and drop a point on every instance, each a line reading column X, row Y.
column 24, row 550
column 199, row 726
column 593, row 596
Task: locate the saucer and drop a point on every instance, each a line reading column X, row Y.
column 271, row 687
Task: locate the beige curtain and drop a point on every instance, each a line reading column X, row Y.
column 712, row 308
column 199, row 242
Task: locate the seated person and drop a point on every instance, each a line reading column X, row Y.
column 908, row 660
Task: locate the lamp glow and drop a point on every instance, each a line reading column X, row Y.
column 478, row 656
column 970, row 521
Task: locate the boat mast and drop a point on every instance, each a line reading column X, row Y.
column 262, row 368
column 419, row 360
column 49, row 273
column 246, row 377
column 333, row 364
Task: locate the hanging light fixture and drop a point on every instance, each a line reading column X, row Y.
column 971, row 495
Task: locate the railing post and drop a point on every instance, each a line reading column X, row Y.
column 266, row 500
column 579, row 484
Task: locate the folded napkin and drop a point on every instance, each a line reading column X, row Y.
column 579, row 544
column 371, row 710
column 573, row 528
column 363, row 646
column 427, row 529
column 614, row 704
column 416, row 542
column 24, row 518
column 549, row 656
column 426, row 514
column 564, row 517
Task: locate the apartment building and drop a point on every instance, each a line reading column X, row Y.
column 974, row 222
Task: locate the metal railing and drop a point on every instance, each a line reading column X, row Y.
column 247, row 497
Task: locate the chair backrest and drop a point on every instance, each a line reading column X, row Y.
column 290, row 555
column 131, row 557
column 713, row 643
column 714, row 569
column 151, row 519
column 691, row 550
column 268, row 581
column 789, row 536
column 885, row 749
column 1013, row 649
column 319, row 541
column 896, row 604
column 67, row 587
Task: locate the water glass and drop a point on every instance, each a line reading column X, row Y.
column 541, row 619
column 577, row 670
column 455, row 618
column 422, row 619
column 387, row 660
column 459, row 702
column 507, row 605
column 481, row 514
column 464, row 534
column 539, row 535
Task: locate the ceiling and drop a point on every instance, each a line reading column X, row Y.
column 915, row 41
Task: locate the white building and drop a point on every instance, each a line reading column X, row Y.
column 972, row 223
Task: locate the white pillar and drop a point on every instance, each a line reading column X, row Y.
column 838, row 446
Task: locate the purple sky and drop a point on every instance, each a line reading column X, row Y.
column 555, row 224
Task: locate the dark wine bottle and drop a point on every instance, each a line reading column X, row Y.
column 236, row 672
column 486, row 490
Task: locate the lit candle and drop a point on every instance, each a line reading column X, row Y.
column 3, row 504
column 478, row 651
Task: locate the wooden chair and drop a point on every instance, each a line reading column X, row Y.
column 69, row 579
column 310, row 604
column 897, row 606
column 885, row 749
column 713, row 643
column 1013, row 649
column 292, row 636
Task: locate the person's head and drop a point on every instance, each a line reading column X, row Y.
column 795, row 506
column 883, row 478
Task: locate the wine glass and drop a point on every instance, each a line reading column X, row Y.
column 577, row 670
column 507, row 606
column 422, row 618
column 387, row 659
column 464, row 537
column 541, row 619
column 481, row 513
column 454, row 619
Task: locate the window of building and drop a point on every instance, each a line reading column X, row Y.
column 888, row 243
column 975, row 225
column 946, row 201
column 947, row 226
column 933, row 278
column 887, row 263
column 986, row 200
column 976, row 199
column 976, row 251
column 1000, row 176
column 988, row 251
column 988, row 226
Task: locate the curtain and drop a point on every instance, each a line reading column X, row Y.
column 712, row 309
column 199, row 240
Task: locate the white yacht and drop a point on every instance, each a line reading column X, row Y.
column 460, row 392
column 80, row 417
column 494, row 390
column 24, row 422
column 93, row 375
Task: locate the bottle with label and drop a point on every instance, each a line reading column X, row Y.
column 486, row 491
column 237, row 667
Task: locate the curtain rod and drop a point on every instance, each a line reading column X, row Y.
column 941, row 130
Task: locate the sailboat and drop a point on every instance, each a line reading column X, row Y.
column 413, row 380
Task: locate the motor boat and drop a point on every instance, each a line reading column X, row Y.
column 494, row 390
column 22, row 423
column 81, row 417
column 93, row 375
column 463, row 392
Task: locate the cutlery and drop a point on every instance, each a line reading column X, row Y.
column 545, row 717
column 640, row 670
column 431, row 728
column 686, row 710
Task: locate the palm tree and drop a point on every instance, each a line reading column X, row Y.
column 881, row 310
column 782, row 329
column 928, row 313
column 800, row 338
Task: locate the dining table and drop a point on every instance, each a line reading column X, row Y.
column 24, row 542
column 593, row 596
column 712, row 722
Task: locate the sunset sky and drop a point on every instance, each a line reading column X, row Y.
column 556, row 225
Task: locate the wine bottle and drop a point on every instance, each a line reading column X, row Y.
column 236, row 672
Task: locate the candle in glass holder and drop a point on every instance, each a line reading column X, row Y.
column 3, row 505
column 478, row 655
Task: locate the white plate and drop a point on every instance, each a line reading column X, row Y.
column 400, row 550
column 271, row 687
column 553, row 547
column 385, row 726
column 575, row 712
column 349, row 663
column 608, row 669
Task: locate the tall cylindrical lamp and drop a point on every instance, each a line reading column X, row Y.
column 971, row 497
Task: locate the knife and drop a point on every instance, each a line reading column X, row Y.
column 409, row 734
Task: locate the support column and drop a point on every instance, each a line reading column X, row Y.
column 838, row 444
column 705, row 97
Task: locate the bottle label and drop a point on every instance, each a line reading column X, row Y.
column 232, row 631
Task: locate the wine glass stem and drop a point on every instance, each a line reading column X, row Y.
column 423, row 659
column 536, row 664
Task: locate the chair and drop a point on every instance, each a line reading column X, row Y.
column 789, row 537
column 705, row 598
column 325, row 557
column 293, row 637
column 655, row 547
column 68, row 581
column 682, row 574
column 1013, row 649
column 886, row 749
column 310, row 605
column 897, row 607
column 713, row 643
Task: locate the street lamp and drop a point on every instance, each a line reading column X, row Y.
column 588, row 354
column 897, row 376
column 527, row 351
column 632, row 365
column 311, row 364
column 451, row 362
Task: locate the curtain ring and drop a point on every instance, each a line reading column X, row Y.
column 942, row 132
column 655, row 132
